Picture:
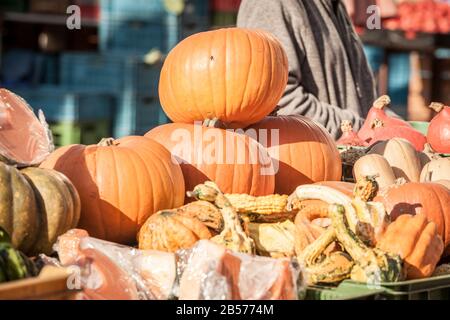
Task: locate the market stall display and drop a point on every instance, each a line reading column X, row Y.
column 161, row 217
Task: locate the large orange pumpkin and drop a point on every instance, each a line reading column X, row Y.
column 430, row 199
column 120, row 183
column 218, row 155
column 235, row 75
column 305, row 151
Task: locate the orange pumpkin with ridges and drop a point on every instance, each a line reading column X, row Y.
column 235, row 162
column 120, row 183
column 303, row 150
column 235, row 75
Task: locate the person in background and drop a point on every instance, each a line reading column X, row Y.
column 329, row 76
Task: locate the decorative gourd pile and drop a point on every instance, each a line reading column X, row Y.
column 336, row 234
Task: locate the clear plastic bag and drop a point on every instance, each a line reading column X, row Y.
column 212, row 272
column 25, row 140
column 208, row 271
column 106, row 270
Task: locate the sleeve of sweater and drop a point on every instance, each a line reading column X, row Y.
column 273, row 16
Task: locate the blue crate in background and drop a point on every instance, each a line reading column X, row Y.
column 399, row 75
column 375, row 57
column 137, row 26
column 196, row 8
column 137, row 36
column 195, row 18
column 137, row 114
column 132, row 8
column 61, row 104
column 144, row 78
column 93, row 71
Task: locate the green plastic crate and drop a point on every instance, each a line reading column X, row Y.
column 434, row 288
column 345, row 291
column 421, row 126
column 67, row 133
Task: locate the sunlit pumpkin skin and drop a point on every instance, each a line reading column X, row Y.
column 169, row 231
column 401, row 156
column 430, row 199
column 229, row 165
column 377, row 111
column 418, row 243
column 37, row 206
column 445, row 183
column 304, row 152
column 383, row 133
column 120, row 183
column 436, row 170
column 439, row 130
column 235, row 75
column 24, row 140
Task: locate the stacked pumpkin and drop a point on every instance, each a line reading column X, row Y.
column 233, row 78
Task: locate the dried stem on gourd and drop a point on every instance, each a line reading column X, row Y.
column 377, row 123
column 107, row 142
column 346, row 126
column 437, row 106
column 382, row 102
column 214, row 123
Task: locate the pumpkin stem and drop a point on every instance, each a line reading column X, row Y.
column 214, row 123
column 400, row 181
column 382, row 102
column 436, row 106
column 107, row 142
column 346, row 126
column 377, row 123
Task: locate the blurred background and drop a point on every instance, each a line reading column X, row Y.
column 102, row 80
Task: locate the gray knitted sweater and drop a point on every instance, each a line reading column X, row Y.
column 329, row 77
